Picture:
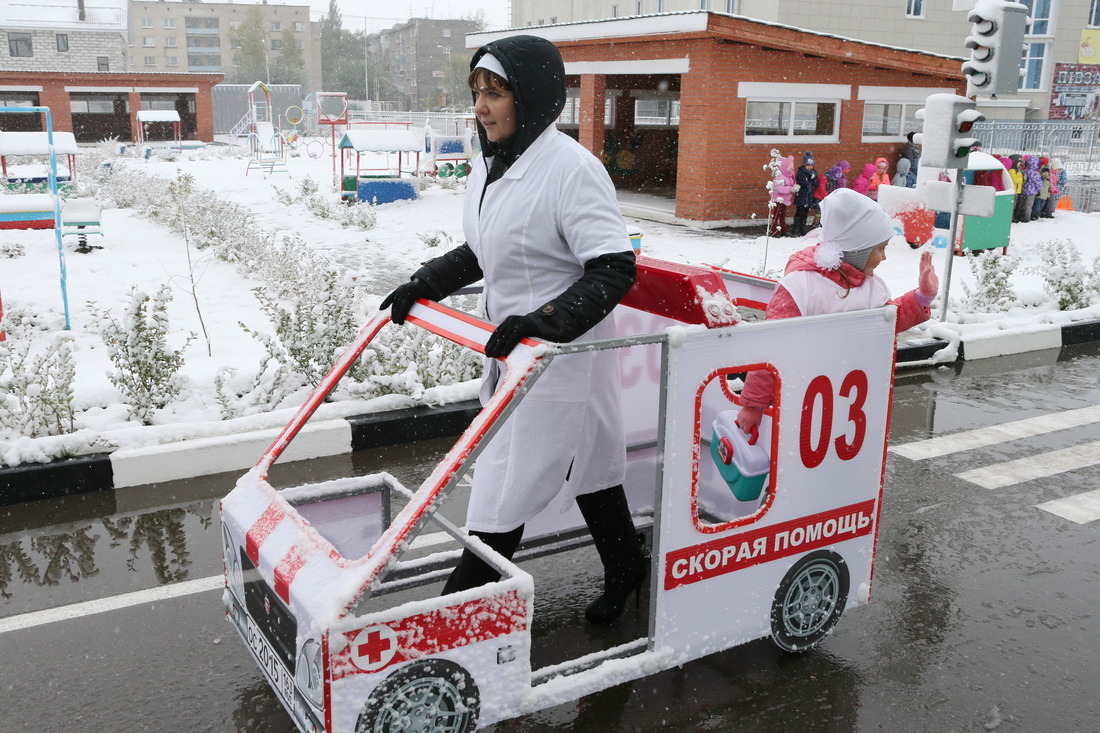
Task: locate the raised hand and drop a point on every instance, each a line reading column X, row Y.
column 928, row 282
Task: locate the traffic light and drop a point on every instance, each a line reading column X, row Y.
column 996, row 42
column 946, row 141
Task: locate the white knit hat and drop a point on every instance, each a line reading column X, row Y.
column 850, row 222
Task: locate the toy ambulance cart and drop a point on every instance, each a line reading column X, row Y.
column 739, row 551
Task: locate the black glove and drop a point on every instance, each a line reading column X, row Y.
column 508, row 334
column 404, row 296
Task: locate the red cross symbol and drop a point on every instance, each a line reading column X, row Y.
column 374, row 648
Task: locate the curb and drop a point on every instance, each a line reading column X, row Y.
column 205, row 456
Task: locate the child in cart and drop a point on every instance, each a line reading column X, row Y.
column 837, row 275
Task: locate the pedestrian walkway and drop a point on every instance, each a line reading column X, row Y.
column 1080, row 508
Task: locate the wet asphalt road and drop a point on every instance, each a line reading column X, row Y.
column 984, row 613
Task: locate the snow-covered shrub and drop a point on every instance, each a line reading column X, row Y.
column 11, row 250
column 146, row 368
column 355, row 214
column 1093, row 279
column 992, row 291
column 36, row 380
column 1064, row 275
column 436, row 238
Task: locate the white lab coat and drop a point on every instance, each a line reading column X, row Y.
column 551, row 212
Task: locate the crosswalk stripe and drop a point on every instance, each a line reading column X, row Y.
column 979, row 438
column 1033, row 467
column 1082, row 508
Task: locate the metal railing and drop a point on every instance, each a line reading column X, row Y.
column 1076, row 143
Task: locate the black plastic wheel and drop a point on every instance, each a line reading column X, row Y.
column 431, row 696
column 809, row 601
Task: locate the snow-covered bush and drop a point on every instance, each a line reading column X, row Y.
column 146, row 368
column 11, row 250
column 1064, row 274
column 992, row 291
column 355, row 214
column 436, row 238
column 36, row 380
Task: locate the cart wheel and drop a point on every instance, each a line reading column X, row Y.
column 809, row 601
column 432, row 696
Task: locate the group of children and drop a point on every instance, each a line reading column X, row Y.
column 1039, row 184
column 805, row 188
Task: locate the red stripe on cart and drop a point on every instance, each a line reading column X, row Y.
column 261, row 530
column 287, row 569
column 384, row 644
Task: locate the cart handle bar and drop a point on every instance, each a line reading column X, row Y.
column 451, row 324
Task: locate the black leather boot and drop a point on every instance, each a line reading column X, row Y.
column 472, row 571
column 625, row 565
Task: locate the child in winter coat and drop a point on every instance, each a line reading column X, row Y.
column 911, row 153
column 1033, row 183
column 901, row 178
column 1043, row 196
column 1057, row 187
column 782, row 185
column 879, row 178
column 806, row 181
column 1016, row 173
column 838, row 275
column 837, row 176
column 862, row 184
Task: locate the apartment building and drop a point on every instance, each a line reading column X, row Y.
column 424, row 62
column 47, row 35
column 1059, row 62
column 179, row 35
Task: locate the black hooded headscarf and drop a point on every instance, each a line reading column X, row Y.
column 536, row 74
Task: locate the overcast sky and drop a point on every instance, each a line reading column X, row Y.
column 376, row 15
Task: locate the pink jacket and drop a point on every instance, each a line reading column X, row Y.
column 862, row 184
column 784, row 182
column 760, row 385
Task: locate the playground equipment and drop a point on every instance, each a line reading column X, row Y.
column 330, row 592
column 379, row 185
column 266, row 145
column 450, row 155
column 79, row 218
column 25, row 210
column 34, row 178
column 150, row 116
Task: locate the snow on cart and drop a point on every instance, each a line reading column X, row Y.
column 772, row 535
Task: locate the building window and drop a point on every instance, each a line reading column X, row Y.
column 660, row 6
column 299, row 45
column 276, row 44
column 790, row 119
column 203, row 23
column 1094, row 13
column 102, row 63
column 614, row 12
column 299, row 26
column 657, row 112
column 1039, row 12
column 150, row 60
column 553, row 19
column 169, row 23
column 19, row 45
column 704, row 4
column 882, row 120
column 731, row 7
column 170, row 42
column 914, row 8
column 1033, row 61
column 62, row 42
column 276, row 25
column 148, row 41
column 446, row 32
column 146, row 22
column 171, row 60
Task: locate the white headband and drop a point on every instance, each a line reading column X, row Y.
column 490, row 62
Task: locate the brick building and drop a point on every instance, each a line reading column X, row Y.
column 742, row 87
column 95, row 106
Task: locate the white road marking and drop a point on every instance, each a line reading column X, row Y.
column 979, row 438
column 151, row 595
column 101, row 605
column 1082, row 508
column 1040, row 466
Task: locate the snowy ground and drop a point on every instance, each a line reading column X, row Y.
column 137, row 252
